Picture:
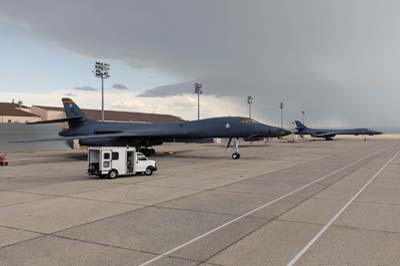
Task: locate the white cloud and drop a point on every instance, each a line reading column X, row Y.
column 184, row 106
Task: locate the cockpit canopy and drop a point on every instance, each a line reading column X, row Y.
column 248, row 121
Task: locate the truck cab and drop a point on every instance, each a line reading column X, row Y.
column 118, row 161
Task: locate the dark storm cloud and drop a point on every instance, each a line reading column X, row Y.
column 337, row 60
column 120, row 87
column 85, row 88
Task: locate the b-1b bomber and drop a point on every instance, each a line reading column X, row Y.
column 329, row 134
column 144, row 135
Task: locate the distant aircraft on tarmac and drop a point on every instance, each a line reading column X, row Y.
column 142, row 135
column 329, row 134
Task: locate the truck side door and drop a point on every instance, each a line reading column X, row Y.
column 106, row 160
column 141, row 162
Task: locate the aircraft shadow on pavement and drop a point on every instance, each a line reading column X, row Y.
column 77, row 156
column 206, row 156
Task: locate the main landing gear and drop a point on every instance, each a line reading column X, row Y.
column 147, row 152
column 235, row 147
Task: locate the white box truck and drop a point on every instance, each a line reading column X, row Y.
column 115, row 161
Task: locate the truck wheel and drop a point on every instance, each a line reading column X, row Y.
column 112, row 174
column 149, row 171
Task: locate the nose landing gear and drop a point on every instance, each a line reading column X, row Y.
column 235, row 146
column 235, row 156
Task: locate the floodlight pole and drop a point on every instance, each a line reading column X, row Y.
column 250, row 101
column 198, row 89
column 102, row 98
column 198, row 106
column 281, row 107
column 250, row 110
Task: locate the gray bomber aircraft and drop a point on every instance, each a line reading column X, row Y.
column 96, row 133
column 329, row 134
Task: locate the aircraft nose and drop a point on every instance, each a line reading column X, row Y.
column 281, row 132
column 284, row 132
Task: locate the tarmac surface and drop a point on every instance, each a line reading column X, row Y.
column 309, row 203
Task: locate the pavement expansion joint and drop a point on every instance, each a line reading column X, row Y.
column 22, row 229
column 124, row 248
column 364, row 229
column 193, row 210
column 377, row 202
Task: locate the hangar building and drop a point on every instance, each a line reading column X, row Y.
column 50, row 113
column 16, row 113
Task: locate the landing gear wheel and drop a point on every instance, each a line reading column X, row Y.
column 152, row 151
column 112, row 174
column 149, row 171
column 235, row 156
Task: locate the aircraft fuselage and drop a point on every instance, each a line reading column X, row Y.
column 190, row 131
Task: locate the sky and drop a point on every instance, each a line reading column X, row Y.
column 335, row 60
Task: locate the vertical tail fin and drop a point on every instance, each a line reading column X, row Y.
column 73, row 113
column 299, row 125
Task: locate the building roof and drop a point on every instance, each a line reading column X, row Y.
column 49, row 108
column 121, row 115
column 11, row 109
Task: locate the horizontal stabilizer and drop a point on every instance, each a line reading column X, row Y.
column 56, row 120
column 66, row 138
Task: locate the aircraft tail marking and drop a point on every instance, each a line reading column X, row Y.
column 72, row 111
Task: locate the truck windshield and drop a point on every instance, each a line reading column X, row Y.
column 141, row 157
